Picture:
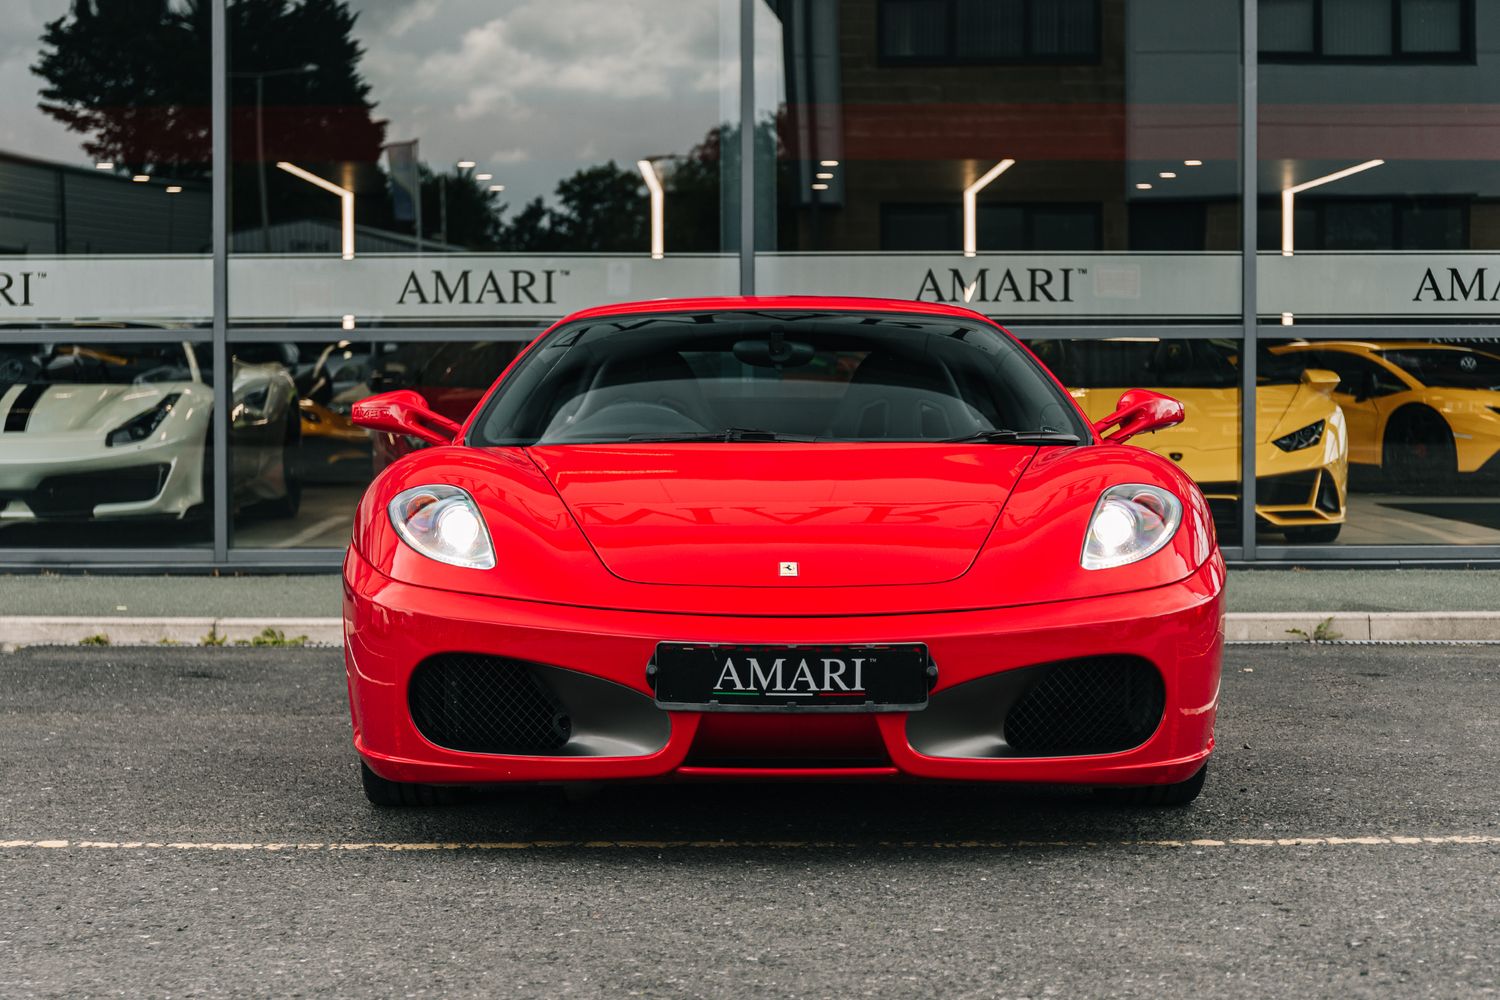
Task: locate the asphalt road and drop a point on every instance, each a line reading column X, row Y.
column 1314, row 875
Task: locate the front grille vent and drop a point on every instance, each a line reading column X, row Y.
column 1101, row 704
column 1293, row 489
column 486, row 704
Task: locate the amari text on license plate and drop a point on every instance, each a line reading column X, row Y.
column 722, row 677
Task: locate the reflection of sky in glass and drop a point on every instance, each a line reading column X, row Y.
column 531, row 90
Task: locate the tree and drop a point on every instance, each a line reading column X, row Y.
column 603, row 208
column 470, row 208
column 133, row 77
column 607, row 209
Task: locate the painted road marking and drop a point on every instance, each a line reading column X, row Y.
column 1383, row 840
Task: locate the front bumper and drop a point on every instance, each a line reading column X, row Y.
column 391, row 627
column 1293, row 490
column 74, row 475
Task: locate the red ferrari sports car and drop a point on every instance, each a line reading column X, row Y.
column 793, row 538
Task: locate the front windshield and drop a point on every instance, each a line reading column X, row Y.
column 767, row 376
column 115, row 364
column 1456, row 369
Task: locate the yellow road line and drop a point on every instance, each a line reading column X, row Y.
column 1382, row 840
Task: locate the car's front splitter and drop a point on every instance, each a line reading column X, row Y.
column 393, row 627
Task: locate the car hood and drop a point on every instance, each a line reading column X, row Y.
column 58, row 408
column 734, row 514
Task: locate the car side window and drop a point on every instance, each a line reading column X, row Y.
column 1358, row 377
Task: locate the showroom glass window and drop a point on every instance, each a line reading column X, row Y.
column 472, row 163
column 1065, row 161
column 105, row 276
column 1379, row 183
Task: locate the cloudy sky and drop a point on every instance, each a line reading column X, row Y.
column 530, row 89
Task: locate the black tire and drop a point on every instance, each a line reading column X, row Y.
column 1180, row 794
column 386, row 793
column 1418, row 453
column 1317, row 534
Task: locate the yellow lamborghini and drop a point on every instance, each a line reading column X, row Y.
column 1420, row 412
column 1302, row 455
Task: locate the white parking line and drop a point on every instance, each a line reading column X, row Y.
column 1383, row 840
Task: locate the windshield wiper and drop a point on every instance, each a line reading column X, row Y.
column 1005, row 436
column 728, row 434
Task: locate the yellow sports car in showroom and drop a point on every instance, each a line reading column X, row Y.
column 1302, row 454
column 1420, row 412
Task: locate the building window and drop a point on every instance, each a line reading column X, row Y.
column 958, row 32
column 1375, row 31
column 1353, row 224
column 1001, row 228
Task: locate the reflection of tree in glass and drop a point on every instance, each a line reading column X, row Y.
column 605, row 208
column 133, row 77
column 314, row 107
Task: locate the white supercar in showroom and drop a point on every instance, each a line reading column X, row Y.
column 121, row 431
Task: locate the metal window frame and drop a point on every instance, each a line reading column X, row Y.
column 222, row 556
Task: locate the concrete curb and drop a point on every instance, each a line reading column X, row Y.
column 38, row 630
column 35, row 630
column 1451, row 626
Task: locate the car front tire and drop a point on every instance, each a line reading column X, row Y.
column 1318, row 534
column 1419, row 454
column 386, row 793
column 1179, row 794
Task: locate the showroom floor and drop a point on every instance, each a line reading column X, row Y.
column 1381, row 519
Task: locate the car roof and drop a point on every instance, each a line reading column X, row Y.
column 811, row 303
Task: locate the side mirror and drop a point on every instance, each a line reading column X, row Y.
column 404, row 412
column 1320, row 380
column 1139, row 411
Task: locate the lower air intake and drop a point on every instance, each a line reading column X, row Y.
column 486, row 704
column 1101, row 704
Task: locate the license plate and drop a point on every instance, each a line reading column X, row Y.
column 709, row 677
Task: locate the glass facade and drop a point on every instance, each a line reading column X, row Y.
column 223, row 222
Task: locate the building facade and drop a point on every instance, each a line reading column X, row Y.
column 222, row 222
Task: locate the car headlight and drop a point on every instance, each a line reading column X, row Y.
column 1130, row 522
column 1304, row 437
column 141, row 426
column 443, row 523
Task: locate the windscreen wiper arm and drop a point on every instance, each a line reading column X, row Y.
column 1005, row 436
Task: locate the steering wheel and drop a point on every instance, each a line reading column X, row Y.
column 629, row 416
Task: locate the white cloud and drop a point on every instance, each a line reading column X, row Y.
column 551, row 85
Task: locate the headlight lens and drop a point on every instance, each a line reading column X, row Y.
column 1304, row 437
column 1130, row 522
column 443, row 523
column 140, row 427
